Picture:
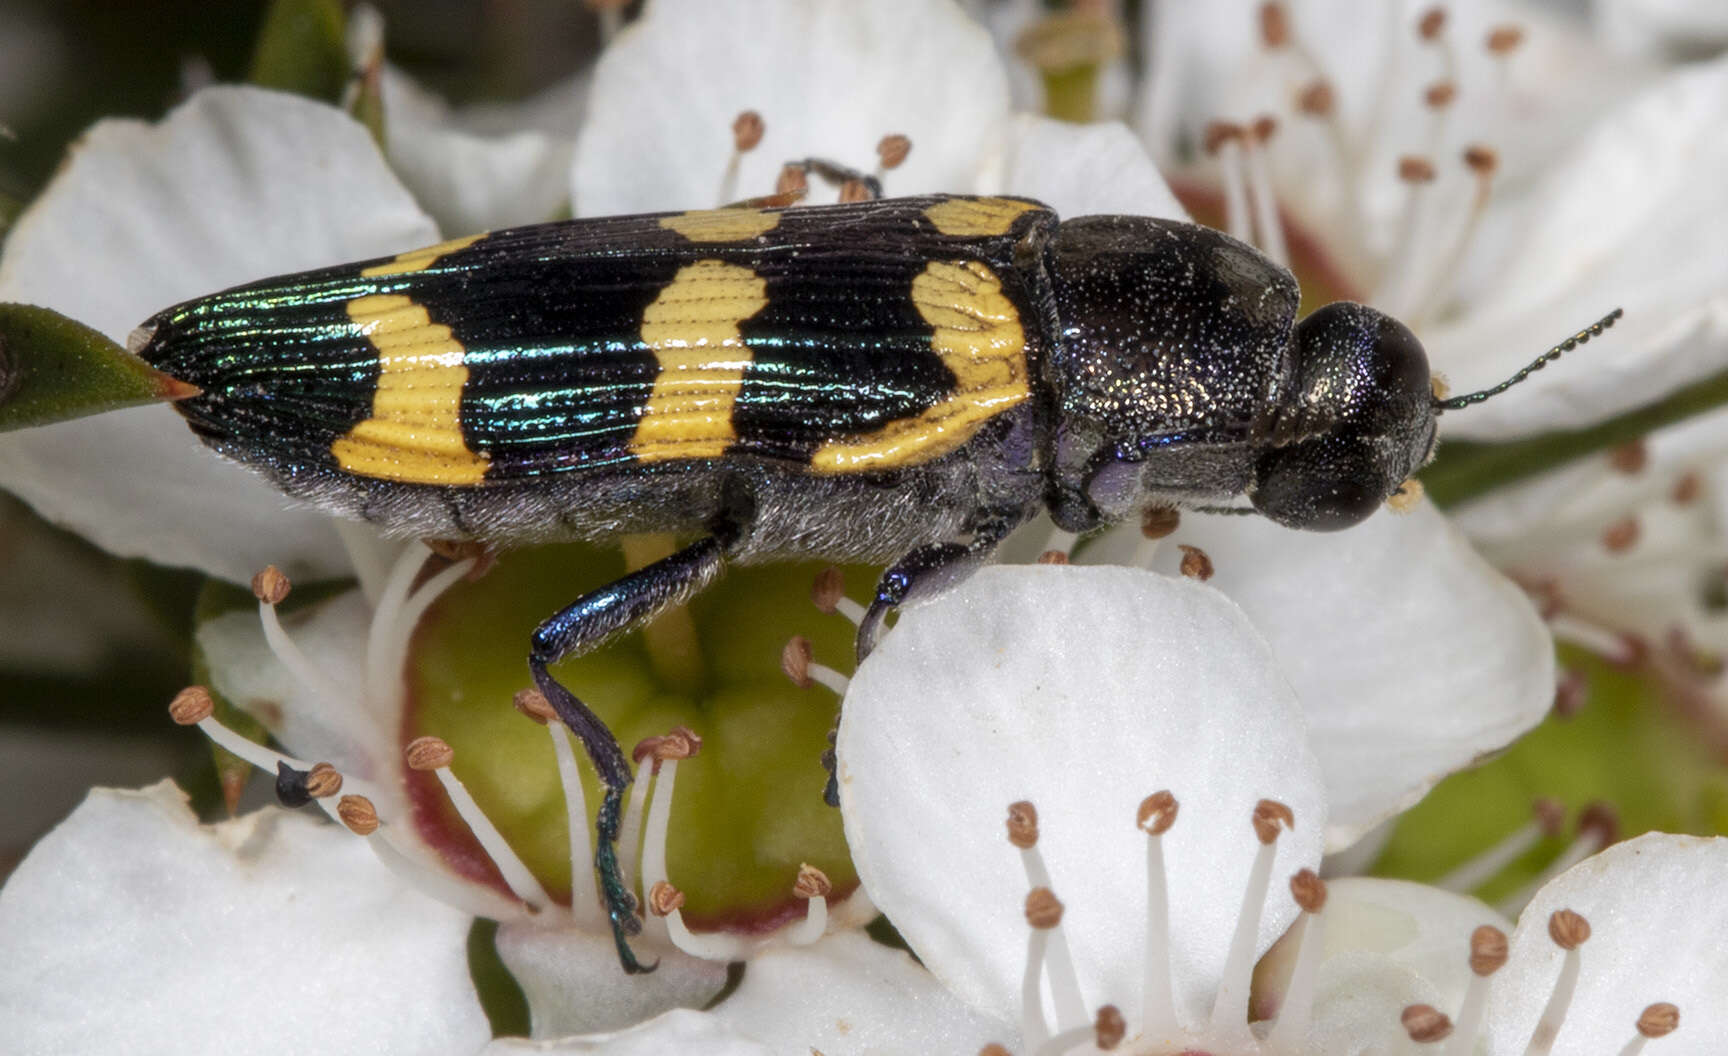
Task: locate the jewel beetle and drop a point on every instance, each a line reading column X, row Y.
column 895, row 380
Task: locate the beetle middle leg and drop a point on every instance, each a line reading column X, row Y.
column 590, row 620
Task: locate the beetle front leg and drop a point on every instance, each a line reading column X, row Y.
column 596, row 616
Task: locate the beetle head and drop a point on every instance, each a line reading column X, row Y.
column 1357, row 422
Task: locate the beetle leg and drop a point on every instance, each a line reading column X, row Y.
column 590, row 620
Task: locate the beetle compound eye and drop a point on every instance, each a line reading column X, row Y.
column 1321, row 485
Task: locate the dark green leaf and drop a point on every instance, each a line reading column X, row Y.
column 302, row 49
column 52, row 369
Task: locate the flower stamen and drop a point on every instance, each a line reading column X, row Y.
column 813, row 887
column 1656, row 1021
column 828, row 594
column 1156, row 815
column 747, row 129
column 1548, row 815
column 1297, row 1010
column 1598, row 826
column 1230, row 1007
column 1488, row 952
column 584, row 890
column 1224, row 141
column 798, row 665
column 1569, row 931
column 435, row 755
column 1052, row 949
column 1268, row 226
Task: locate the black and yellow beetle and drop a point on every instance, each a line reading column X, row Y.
column 900, row 380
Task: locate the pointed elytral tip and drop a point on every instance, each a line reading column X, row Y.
column 795, row 659
column 1274, row 24
column 1023, row 825
column 1043, row 909
column 1157, row 813
column 1504, row 39
column 892, row 149
column 533, row 703
column 1488, row 950
column 747, row 129
column 1159, row 522
column 664, row 899
column 191, row 706
column 1600, row 820
column 1659, row 1019
column 1308, row 890
column 428, row 753
column 811, row 883
column 1317, row 98
column 1196, row 563
column 1416, row 170
column 1109, row 1028
column 1053, row 557
column 323, row 781
column 1569, row 930
column 1432, row 24
column 271, row 586
column 1270, row 818
column 827, row 589
column 1425, row 1023
column 358, row 813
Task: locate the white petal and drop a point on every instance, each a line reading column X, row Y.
column 574, row 985
column 1083, row 690
column 237, row 184
column 1662, row 29
column 468, row 181
column 1412, row 656
column 1657, row 911
column 1636, row 217
column 849, row 994
column 131, row 928
column 829, row 77
column 1080, row 170
column 679, row 1031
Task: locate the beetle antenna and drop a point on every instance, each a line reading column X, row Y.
column 1458, row 403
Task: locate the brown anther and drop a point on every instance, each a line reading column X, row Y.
column 1600, row 820
column 1274, row 24
column 1264, row 128
column 1157, row 812
column 1568, row 930
column 1109, row 1028
column 664, row 899
column 1195, row 563
column 795, row 658
column 1487, row 950
column 1426, row 1023
column 811, row 883
column 1043, row 908
column 827, row 589
column 1316, row 98
column 792, row 180
column 1550, row 815
column 1308, row 890
column 891, row 151
column 1621, row 536
column 270, row 586
column 1414, row 169
column 1630, row 458
column 323, row 781
column 1053, row 557
column 994, row 1049
column 454, row 550
column 1023, row 825
column 428, row 753
column 1219, row 133
column 1270, row 818
column 680, row 742
column 1160, row 521
column 1571, row 693
column 1440, row 94
column 1433, row 24
column 1658, row 1019
column 1438, row 384
column 854, row 191
column 191, row 706
column 533, row 703
column 1407, row 497
column 358, row 813
column 1481, row 160
column 1504, row 40
column 747, row 129
column 1686, row 490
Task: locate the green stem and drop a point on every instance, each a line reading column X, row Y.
column 1466, row 470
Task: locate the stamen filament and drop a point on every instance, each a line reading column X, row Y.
column 1610, row 645
column 517, row 876
column 1479, row 870
column 630, row 828
column 1157, row 997
column 829, row 677
column 1569, row 930
column 1033, row 1028
column 408, row 618
column 1237, row 212
column 1291, row 1027
column 429, row 879
column 1487, row 955
column 1064, row 984
column 382, row 681
column 1590, row 839
column 294, row 660
column 366, row 555
column 584, row 892
column 813, row 888
column 1066, row 1040
column 1230, row 1007
column 1268, row 228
